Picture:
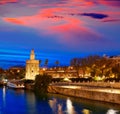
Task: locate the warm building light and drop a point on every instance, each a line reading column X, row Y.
column 66, row 80
column 44, row 69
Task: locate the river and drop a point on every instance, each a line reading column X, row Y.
column 26, row 102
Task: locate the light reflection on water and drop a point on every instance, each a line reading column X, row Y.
column 57, row 107
column 70, row 107
column 4, row 94
column 25, row 102
column 111, row 111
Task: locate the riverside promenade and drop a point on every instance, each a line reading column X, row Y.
column 100, row 91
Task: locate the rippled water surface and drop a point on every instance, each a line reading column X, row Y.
column 26, row 102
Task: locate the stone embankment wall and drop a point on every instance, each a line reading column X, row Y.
column 92, row 84
column 93, row 95
column 101, row 84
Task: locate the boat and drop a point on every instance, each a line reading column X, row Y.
column 15, row 84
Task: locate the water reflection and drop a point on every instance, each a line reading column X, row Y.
column 80, row 106
column 26, row 102
column 60, row 107
column 53, row 104
column 4, row 95
column 31, row 102
column 70, row 107
column 86, row 111
column 111, row 111
column 56, row 106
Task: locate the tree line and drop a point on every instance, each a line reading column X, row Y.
column 97, row 66
column 47, row 61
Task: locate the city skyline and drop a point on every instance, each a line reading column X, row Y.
column 57, row 30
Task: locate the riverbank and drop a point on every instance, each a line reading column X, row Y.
column 115, row 85
column 90, row 91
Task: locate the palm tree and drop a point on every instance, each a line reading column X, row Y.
column 40, row 62
column 46, row 63
column 116, row 70
column 57, row 63
column 75, row 62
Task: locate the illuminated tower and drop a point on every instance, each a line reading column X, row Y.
column 32, row 67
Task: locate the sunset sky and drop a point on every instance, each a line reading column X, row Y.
column 58, row 30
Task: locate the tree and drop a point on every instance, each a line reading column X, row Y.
column 84, row 64
column 21, row 74
column 40, row 61
column 75, row 62
column 57, row 63
column 1, row 72
column 116, row 70
column 41, row 83
column 46, row 63
column 97, row 66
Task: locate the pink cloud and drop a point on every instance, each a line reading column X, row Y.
column 7, row 1
column 68, row 29
column 110, row 2
column 14, row 20
column 39, row 20
column 111, row 20
column 73, row 34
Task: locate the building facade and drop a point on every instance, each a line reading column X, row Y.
column 32, row 67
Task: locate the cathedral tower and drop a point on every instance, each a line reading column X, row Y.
column 32, row 67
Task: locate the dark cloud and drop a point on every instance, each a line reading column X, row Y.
column 95, row 15
column 55, row 16
column 72, row 14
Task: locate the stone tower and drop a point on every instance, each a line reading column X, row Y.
column 32, row 67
